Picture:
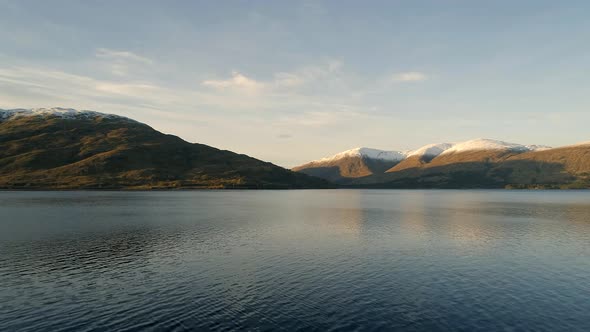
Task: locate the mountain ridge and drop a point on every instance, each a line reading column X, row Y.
column 61, row 112
column 474, row 163
column 435, row 149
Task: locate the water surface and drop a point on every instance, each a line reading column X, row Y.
column 295, row 260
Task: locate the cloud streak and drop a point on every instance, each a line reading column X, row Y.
column 236, row 81
column 106, row 53
column 122, row 63
column 283, row 82
column 410, row 76
column 283, row 95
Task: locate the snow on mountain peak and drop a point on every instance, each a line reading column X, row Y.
column 490, row 144
column 66, row 113
column 433, row 150
column 367, row 153
column 536, row 147
column 430, row 150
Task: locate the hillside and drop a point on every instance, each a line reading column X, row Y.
column 68, row 149
column 351, row 164
column 480, row 163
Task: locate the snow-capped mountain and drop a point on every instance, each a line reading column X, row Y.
column 366, row 153
column 354, row 163
column 64, row 113
column 365, row 162
column 431, row 150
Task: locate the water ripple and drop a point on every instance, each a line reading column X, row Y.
column 349, row 260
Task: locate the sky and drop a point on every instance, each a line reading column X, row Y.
column 293, row 81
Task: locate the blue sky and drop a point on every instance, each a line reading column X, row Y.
column 292, row 81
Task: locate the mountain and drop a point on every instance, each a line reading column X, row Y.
column 476, row 151
column 480, row 163
column 418, row 157
column 355, row 163
column 569, row 165
column 61, row 148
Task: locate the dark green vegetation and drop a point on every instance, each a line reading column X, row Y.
column 559, row 168
column 106, row 152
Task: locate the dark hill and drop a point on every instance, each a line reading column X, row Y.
column 93, row 150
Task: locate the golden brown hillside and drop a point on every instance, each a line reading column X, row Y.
column 566, row 167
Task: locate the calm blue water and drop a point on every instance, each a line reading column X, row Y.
column 295, row 260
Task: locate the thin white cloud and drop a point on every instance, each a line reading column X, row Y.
column 121, row 55
column 127, row 89
column 50, row 85
column 282, row 81
column 122, row 63
column 296, row 98
column 236, row 81
column 334, row 65
column 289, row 79
column 331, row 115
column 410, row 76
column 39, row 87
column 309, row 74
